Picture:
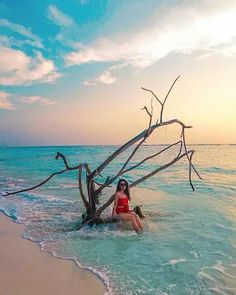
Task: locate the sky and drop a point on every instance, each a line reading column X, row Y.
column 71, row 71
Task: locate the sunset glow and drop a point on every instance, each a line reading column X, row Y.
column 71, row 73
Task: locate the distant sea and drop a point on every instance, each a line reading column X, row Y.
column 189, row 242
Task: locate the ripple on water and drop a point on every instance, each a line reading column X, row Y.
column 187, row 247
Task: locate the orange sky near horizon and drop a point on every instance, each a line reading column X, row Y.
column 198, row 43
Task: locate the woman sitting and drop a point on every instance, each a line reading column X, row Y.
column 121, row 206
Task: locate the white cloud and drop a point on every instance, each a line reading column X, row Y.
column 33, row 39
column 84, row 2
column 58, row 17
column 11, row 41
column 5, row 103
column 37, row 99
column 5, row 41
column 19, row 69
column 181, row 29
column 105, row 78
column 90, row 83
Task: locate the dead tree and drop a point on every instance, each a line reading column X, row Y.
column 95, row 188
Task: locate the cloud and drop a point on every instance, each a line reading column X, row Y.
column 34, row 40
column 5, row 41
column 37, row 99
column 84, row 2
column 17, row 68
column 183, row 29
column 105, row 78
column 11, row 41
column 90, row 83
column 5, row 103
column 58, row 17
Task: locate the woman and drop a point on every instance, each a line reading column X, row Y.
column 121, row 206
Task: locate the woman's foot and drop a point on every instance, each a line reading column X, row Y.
column 139, row 212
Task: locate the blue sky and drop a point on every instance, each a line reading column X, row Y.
column 68, row 67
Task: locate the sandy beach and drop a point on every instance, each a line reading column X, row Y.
column 25, row 270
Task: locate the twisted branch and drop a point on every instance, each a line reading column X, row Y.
column 122, row 171
column 60, row 155
column 112, row 198
column 37, row 185
column 90, row 201
column 133, row 141
column 86, row 203
column 152, row 94
column 153, row 156
column 190, row 170
column 68, row 168
column 160, row 169
column 189, row 159
column 125, row 146
column 162, row 103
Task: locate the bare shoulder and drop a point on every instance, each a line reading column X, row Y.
column 117, row 194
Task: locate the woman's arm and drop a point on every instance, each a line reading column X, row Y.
column 115, row 205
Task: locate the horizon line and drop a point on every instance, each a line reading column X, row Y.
column 77, row 145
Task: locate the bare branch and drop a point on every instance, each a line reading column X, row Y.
column 170, row 89
column 133, row 141
column 150, row 157
column 150, row 119
column 60, row 155
column 86, row 222
column 159, row 169
column 185, row 148
column 106, row 204
column 180, row 149
column 111, row 180
column 146, row 109
column 86, row 203
column 140, row 143
column 37, row 185
column 174, row 121
column 68, row 168
column 190, row 171
column 152, row 94
column 87, row 168
column 163, row 104
column 105, row 184
column 93, row 197
column 95, row 188
column 152, row 107
column 99, row 184
column 112, row 198
column 88, row 182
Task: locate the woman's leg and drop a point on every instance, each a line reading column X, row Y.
column 130, row 217
column 138, row 221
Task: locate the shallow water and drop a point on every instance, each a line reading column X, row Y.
column 189, row 248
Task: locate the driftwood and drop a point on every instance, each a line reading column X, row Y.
column 95, row 188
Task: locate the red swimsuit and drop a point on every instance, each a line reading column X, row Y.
column 122, row 205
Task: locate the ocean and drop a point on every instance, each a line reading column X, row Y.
column 188, row 245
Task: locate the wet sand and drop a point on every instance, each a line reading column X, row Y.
column 26, row 270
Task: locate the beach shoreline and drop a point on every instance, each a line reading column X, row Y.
column 25, row 269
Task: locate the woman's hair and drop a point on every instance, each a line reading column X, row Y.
column 126, row 191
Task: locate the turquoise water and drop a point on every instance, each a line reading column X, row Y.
column 189, row 242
